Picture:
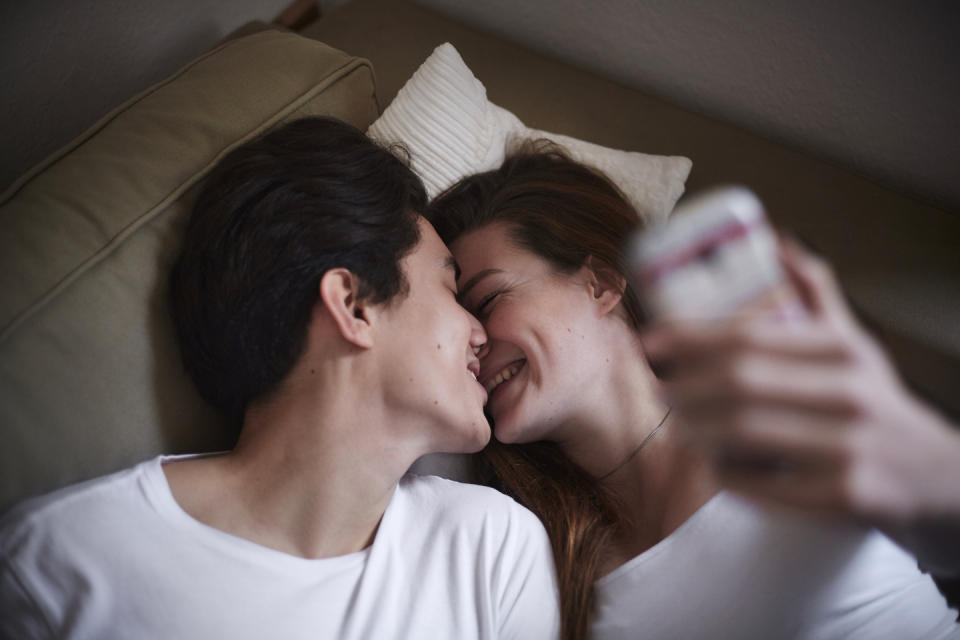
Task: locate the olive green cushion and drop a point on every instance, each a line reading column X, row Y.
column 90, row 378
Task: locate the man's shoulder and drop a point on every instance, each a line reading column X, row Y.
column 472, row 531
column 439, row 500
column 76, row 506
column 453, row 493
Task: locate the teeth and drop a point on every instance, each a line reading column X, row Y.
column 503, row 376
column 473, row 374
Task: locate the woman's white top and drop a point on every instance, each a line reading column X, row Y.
column 737, row 570
column 118, row 558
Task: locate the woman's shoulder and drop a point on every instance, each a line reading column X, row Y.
column 826, row 577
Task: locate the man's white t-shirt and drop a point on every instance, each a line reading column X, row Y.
column 118, row 558
column 736, row 570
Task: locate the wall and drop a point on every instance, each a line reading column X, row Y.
column 873, row 85
column 63, row 65
column 870, row 84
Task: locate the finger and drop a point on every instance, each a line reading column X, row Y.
column 813, row 388
column 800, row 437
column 813, row 280
column 685, row 344
column 671, row 341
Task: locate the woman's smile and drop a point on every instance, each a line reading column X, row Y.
column 508, row 377
column 504, row 374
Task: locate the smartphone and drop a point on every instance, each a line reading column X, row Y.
column 714, row 259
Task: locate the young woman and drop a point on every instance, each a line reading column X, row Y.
column 644, row 540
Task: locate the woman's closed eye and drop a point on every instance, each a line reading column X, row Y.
column 484, row 307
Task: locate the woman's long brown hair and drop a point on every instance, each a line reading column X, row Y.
column 564, row 212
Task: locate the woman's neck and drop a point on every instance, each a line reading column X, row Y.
column 615, row 421
column 657, row 492
column 656, row 480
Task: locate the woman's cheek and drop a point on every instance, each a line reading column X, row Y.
column 496, row 320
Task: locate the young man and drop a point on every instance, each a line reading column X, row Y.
column 317, row 310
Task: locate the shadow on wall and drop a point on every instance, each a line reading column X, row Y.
column 70, row 63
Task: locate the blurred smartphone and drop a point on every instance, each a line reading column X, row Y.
column 714, row 259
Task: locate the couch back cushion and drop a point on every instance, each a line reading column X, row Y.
column 90, row 376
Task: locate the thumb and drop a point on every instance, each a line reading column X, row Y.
column 814, row 282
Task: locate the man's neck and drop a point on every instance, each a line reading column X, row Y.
column 306, row 478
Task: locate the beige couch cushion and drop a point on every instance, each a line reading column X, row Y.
column 90, row 379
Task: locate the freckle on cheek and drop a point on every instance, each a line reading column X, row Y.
column 438, row 347
column 436, row 402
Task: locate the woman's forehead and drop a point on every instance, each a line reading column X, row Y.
column 492, row 249
column 489, row 240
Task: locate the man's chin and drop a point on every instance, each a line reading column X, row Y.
column 482, row 439
column 479, row 435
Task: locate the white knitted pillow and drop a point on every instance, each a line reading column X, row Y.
column 443, row 117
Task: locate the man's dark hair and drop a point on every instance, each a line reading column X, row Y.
column 273, row 217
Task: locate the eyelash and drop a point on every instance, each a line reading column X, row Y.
column 486, row 301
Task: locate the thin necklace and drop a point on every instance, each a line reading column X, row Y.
column 633, row 453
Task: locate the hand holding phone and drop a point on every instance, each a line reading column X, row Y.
column 715, row 258
column 715, row 261
column 813, row 415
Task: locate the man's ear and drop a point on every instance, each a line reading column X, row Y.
column 338, row 292
column 605, row 284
